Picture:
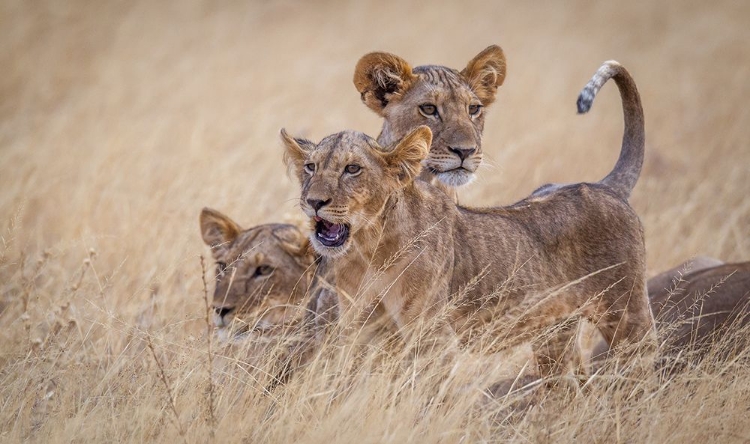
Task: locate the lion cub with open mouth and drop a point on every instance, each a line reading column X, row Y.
column 403, row 248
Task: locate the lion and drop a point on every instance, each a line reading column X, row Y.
column 695, row 308
column 450, row 102
column 263, row 274
column 666, row 279
column 402, row 247
column 701, row 306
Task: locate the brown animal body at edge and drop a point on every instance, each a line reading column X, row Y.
column 696, row 309
column 402, row 247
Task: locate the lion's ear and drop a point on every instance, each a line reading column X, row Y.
column 379, row 77
column 296, row 151
column 295, row 243
column 218, row 231
column 409, row 152
column 485, row 73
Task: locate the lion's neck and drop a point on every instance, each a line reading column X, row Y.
column 402, row 229
column 372, row 242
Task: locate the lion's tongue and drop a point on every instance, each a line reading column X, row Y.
column 329, row 229
column 333, row 230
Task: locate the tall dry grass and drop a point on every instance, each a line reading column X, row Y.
column 120, row 120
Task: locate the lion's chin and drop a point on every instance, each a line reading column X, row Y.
column 327, row 251
column 456, row 177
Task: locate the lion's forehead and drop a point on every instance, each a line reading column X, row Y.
column 348, row 147
column 441, row 84
column 440, row 76
column 344, row 138
column 346, row 141
column 260, row 246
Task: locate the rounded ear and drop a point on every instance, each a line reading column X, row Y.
column 485, row 73
column 296, row 151
column 409, row 152
column 218, row 230
column 295, row 243
column 379, row 77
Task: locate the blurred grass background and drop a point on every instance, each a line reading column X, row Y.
column 120, row 120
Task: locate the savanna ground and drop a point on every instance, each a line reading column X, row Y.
column 120, row 120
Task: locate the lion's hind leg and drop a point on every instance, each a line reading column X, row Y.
column 627, row 325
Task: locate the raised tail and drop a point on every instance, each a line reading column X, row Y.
column 624, row 175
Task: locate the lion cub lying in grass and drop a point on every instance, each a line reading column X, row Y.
column 263, row 274
column 402, row 248
column 704, row 305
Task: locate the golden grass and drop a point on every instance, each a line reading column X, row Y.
column 120, row 120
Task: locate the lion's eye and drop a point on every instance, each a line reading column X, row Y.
column 263, row 270
column 310, row 168
column 475, row 109
column 353, row 169
column 428, row 109
column 221, row 267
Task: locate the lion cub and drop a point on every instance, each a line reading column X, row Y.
column 449, row 101
column 262, row 274
column 702, row 305
column 403, row 248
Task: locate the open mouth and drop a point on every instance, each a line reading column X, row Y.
column 330, row 234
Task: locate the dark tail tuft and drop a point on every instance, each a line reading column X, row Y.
column 624, row 175
column 585, row 100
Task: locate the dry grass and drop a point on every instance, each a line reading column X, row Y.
column 120, row 120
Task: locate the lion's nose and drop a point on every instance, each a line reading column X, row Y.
column 317, row 203
column 223, row 311
column 462, row 153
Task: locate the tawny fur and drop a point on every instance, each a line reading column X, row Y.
column 666, row 280
column 533, row 254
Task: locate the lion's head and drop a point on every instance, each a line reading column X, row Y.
column 262, row 273
column 450, row 102
column 348, row 179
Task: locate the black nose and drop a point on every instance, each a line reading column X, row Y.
column 223, row 311
column 317, row 203
column 462, row 153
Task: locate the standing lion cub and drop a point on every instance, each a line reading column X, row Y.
column 403, row 248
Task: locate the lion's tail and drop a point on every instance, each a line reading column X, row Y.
column 624, row 175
